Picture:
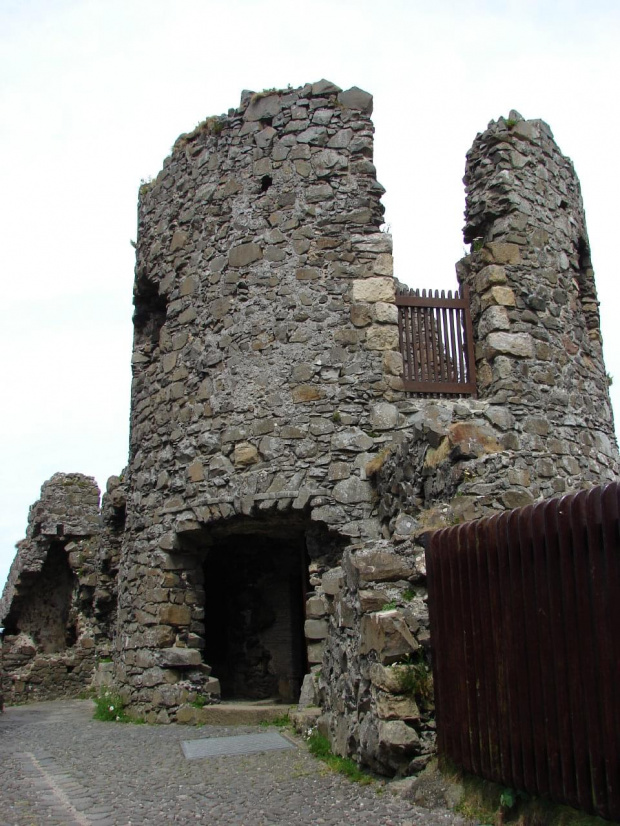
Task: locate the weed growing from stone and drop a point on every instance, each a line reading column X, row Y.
column 318, row 746
column 416, row 679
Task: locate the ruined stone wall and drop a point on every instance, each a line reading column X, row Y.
column 59, row 604
column 49, row 648
column 265, row 359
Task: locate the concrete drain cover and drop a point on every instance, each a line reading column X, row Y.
column 240, row 744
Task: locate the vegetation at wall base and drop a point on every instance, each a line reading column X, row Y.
column 319, row 747
column 283, row 721
column 110, row 708
column 496, row 805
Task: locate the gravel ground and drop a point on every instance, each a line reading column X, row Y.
column 59, row 766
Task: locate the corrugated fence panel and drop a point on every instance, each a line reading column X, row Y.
column 525, row 627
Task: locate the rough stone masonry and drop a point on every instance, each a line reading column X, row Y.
column 266, row 532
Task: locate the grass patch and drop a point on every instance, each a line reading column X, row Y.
column 110, row 708
column 283, row 721
column 319, row 747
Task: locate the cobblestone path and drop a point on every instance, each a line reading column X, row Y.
column 59, row 766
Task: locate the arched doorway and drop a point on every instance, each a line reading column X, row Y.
column 254, row 576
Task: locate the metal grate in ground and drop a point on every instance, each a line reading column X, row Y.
column 239, row 744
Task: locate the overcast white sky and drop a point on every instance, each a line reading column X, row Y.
column 93, row 94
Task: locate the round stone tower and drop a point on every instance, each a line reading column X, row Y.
column 265, row 360
column 534, row 306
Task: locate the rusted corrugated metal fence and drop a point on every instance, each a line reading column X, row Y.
column 525, row 627
column 436, row 342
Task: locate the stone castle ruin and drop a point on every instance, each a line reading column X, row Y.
column 265, row 539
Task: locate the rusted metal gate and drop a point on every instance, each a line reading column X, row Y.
column 525, row 627
column 436, row 342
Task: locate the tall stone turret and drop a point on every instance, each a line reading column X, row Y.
column 265, row 363
column 534, row 305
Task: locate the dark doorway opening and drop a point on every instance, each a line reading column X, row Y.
column 255, row 590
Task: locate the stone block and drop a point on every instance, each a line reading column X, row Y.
column 488, row 277
column 325, row 87
column 371, row 600
column 307, row 274
column 244, row 254
column 196, row 471
column 405, row 525
column 316, row 607
column 331, row 581
column 493, row 318
column 179, row 658
column 309, row 695
column 179, row 240
column 386, row 313
column 382, row 338
column 516, row 498
column 384, row 264
column 352, row 490
column 520, row 345
column 374, row 289
column 401, row 707
column 175, row 614
column 387, row 634
column 315, row 135
column 306, row 393
column 316, row 629
column 338, row 471
column 353, row 439
column 356, row 98
column 378, row 566
column 388, row 678
column 470, row 441
column 245, row 454
column 361, row 315
column 393, row 362
column 376, row 242
column 315, row 652
column 498, row 296
column 496, row 252
column 384, row 416
column 397, row 736
column 341, row 139
column 262, row 107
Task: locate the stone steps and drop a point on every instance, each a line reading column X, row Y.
column 248, row 713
